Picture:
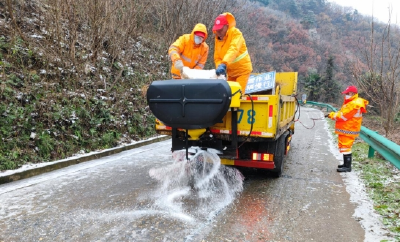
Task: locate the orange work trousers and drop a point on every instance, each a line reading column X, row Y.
column 242, row 80
column 345, row 143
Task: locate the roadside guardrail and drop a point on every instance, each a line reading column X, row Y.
column 386, row 148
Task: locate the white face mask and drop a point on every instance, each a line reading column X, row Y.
column 198, row 40
column 347, row 97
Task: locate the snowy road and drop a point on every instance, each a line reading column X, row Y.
column 136, row 195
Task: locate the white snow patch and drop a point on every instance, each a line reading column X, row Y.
column 37, row 36
column 37, row 165
column 305, row 207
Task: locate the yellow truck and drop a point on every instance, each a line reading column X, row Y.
column 248, row 130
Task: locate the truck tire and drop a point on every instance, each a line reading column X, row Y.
column 279, row 155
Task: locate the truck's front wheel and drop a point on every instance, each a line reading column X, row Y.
column 280, row 148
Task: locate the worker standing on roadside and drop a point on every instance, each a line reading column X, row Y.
column 348, row 124
column 230, row 55
column 189, row 50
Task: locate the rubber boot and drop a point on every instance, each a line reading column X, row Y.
column 347, row 164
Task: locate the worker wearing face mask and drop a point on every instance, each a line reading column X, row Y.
column 348, row 124
column 189, row 50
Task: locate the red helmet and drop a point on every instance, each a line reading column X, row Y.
column 350, row 89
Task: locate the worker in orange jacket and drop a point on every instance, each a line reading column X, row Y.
column 230, row 52
column 348, row 124
column 189, row 50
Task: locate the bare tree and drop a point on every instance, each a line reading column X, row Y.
column 173, row 18
column 379, row 79
column 86, row 36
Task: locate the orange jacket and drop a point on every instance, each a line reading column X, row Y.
column 349, row 117
column 232, row 51
column 192, row 55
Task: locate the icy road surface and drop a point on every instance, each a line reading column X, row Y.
column 145, row 195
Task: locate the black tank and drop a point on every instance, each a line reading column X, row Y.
column 189, row 104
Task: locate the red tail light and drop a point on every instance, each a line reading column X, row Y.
column 262, row 156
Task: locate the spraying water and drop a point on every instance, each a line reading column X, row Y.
column 198, row 188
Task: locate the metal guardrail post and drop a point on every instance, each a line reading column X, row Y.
column 371, row 152
column 388, row 149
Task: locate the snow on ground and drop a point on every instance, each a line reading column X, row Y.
column 31, row 166
column 364, row 212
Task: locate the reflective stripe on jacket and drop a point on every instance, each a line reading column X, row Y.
column 349, row 117
column 192, row 55
column 232, row 50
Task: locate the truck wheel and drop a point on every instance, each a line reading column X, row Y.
column 279, row 154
